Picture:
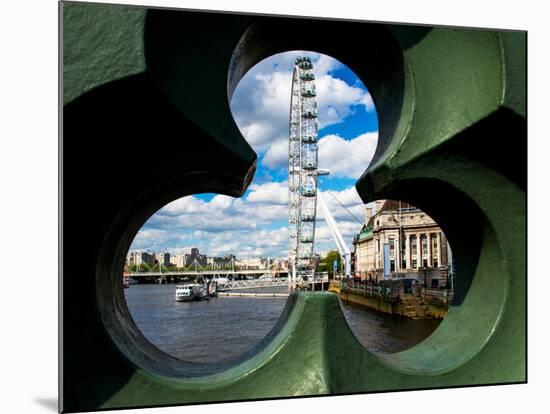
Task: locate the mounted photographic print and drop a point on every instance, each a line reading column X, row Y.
column 259, row 207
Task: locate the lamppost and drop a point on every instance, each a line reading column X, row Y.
column 425, row 276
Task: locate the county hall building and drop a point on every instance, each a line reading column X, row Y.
column 399, row 241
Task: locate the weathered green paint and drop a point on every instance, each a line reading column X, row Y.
column 515, row 71
column 97, row 48
column 451, row 104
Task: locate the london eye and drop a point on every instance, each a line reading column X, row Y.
column 302, row 167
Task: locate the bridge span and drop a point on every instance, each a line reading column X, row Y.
column 317, row 283
column 220, row 273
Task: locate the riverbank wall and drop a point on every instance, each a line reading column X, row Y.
column 371, row 302
column 402, row 304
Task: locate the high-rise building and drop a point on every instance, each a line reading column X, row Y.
column 138, row 258
column 177, row 260
column 195, row 258
column 162, row 258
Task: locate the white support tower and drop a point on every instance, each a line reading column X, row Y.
column 338, row 239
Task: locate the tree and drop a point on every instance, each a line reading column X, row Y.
column 327, row 262
column 143, row 267
column 165, row 269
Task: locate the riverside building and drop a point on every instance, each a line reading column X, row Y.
column 137, row 258
column 400, row 241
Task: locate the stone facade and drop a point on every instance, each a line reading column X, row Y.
column 418, row 248
column 253, row 263
column 138, row 258
column 220, row 262
column 177, row 260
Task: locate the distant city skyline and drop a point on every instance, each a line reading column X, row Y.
column 155, row 254
column 202, row 260
column 256, row 225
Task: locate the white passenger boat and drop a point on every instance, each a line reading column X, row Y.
column 185, row 293
column 195, row 291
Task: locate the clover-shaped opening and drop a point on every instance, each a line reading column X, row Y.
column 483, row 276
column 207, row 275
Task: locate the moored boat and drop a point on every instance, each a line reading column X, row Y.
column 196, row 291
column 201, row 292
column 185, row 293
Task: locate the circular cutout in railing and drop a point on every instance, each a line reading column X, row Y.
column 402, row 280
column 195, row 288
column 208, row 274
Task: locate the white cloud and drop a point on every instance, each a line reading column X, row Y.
column 349, row 219
column 265, row 242
column 368, row 102
column 256, row 225
column 325, row 64
column 261, row 102
column 352, row 209
column 243, row 226
column 324, row 241
column 155, row 239
column 277, row 154
column 264, row 204
column 345, row 158
column 272, row 193
column 184, row 205
column 335, row 99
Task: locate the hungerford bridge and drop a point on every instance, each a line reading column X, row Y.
column 261, row 278
column 303, row 173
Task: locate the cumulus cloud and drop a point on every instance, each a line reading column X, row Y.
column 344, row 205
column 253, row 243
column 256, row 224
column 190, row 218
column 368, row 102
column 261, row 102
column 184, row 205
column 324, row 241
column 345, row 158
column 244, row 226
column 155, row 239
column 269, row 193
column 336, row 99
column 277, row 155
column 348, row 211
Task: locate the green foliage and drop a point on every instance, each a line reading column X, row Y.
column 152, row 267
column 142, row 268
column 326, row 263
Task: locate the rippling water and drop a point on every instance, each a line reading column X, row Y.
column 382, row 333
column 214, row 330
column 223, row 328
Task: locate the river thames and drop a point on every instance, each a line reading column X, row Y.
column 222, row 328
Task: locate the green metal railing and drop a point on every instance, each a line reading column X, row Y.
column 452, row 141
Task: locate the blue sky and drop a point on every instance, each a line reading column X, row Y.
column 257, row 223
